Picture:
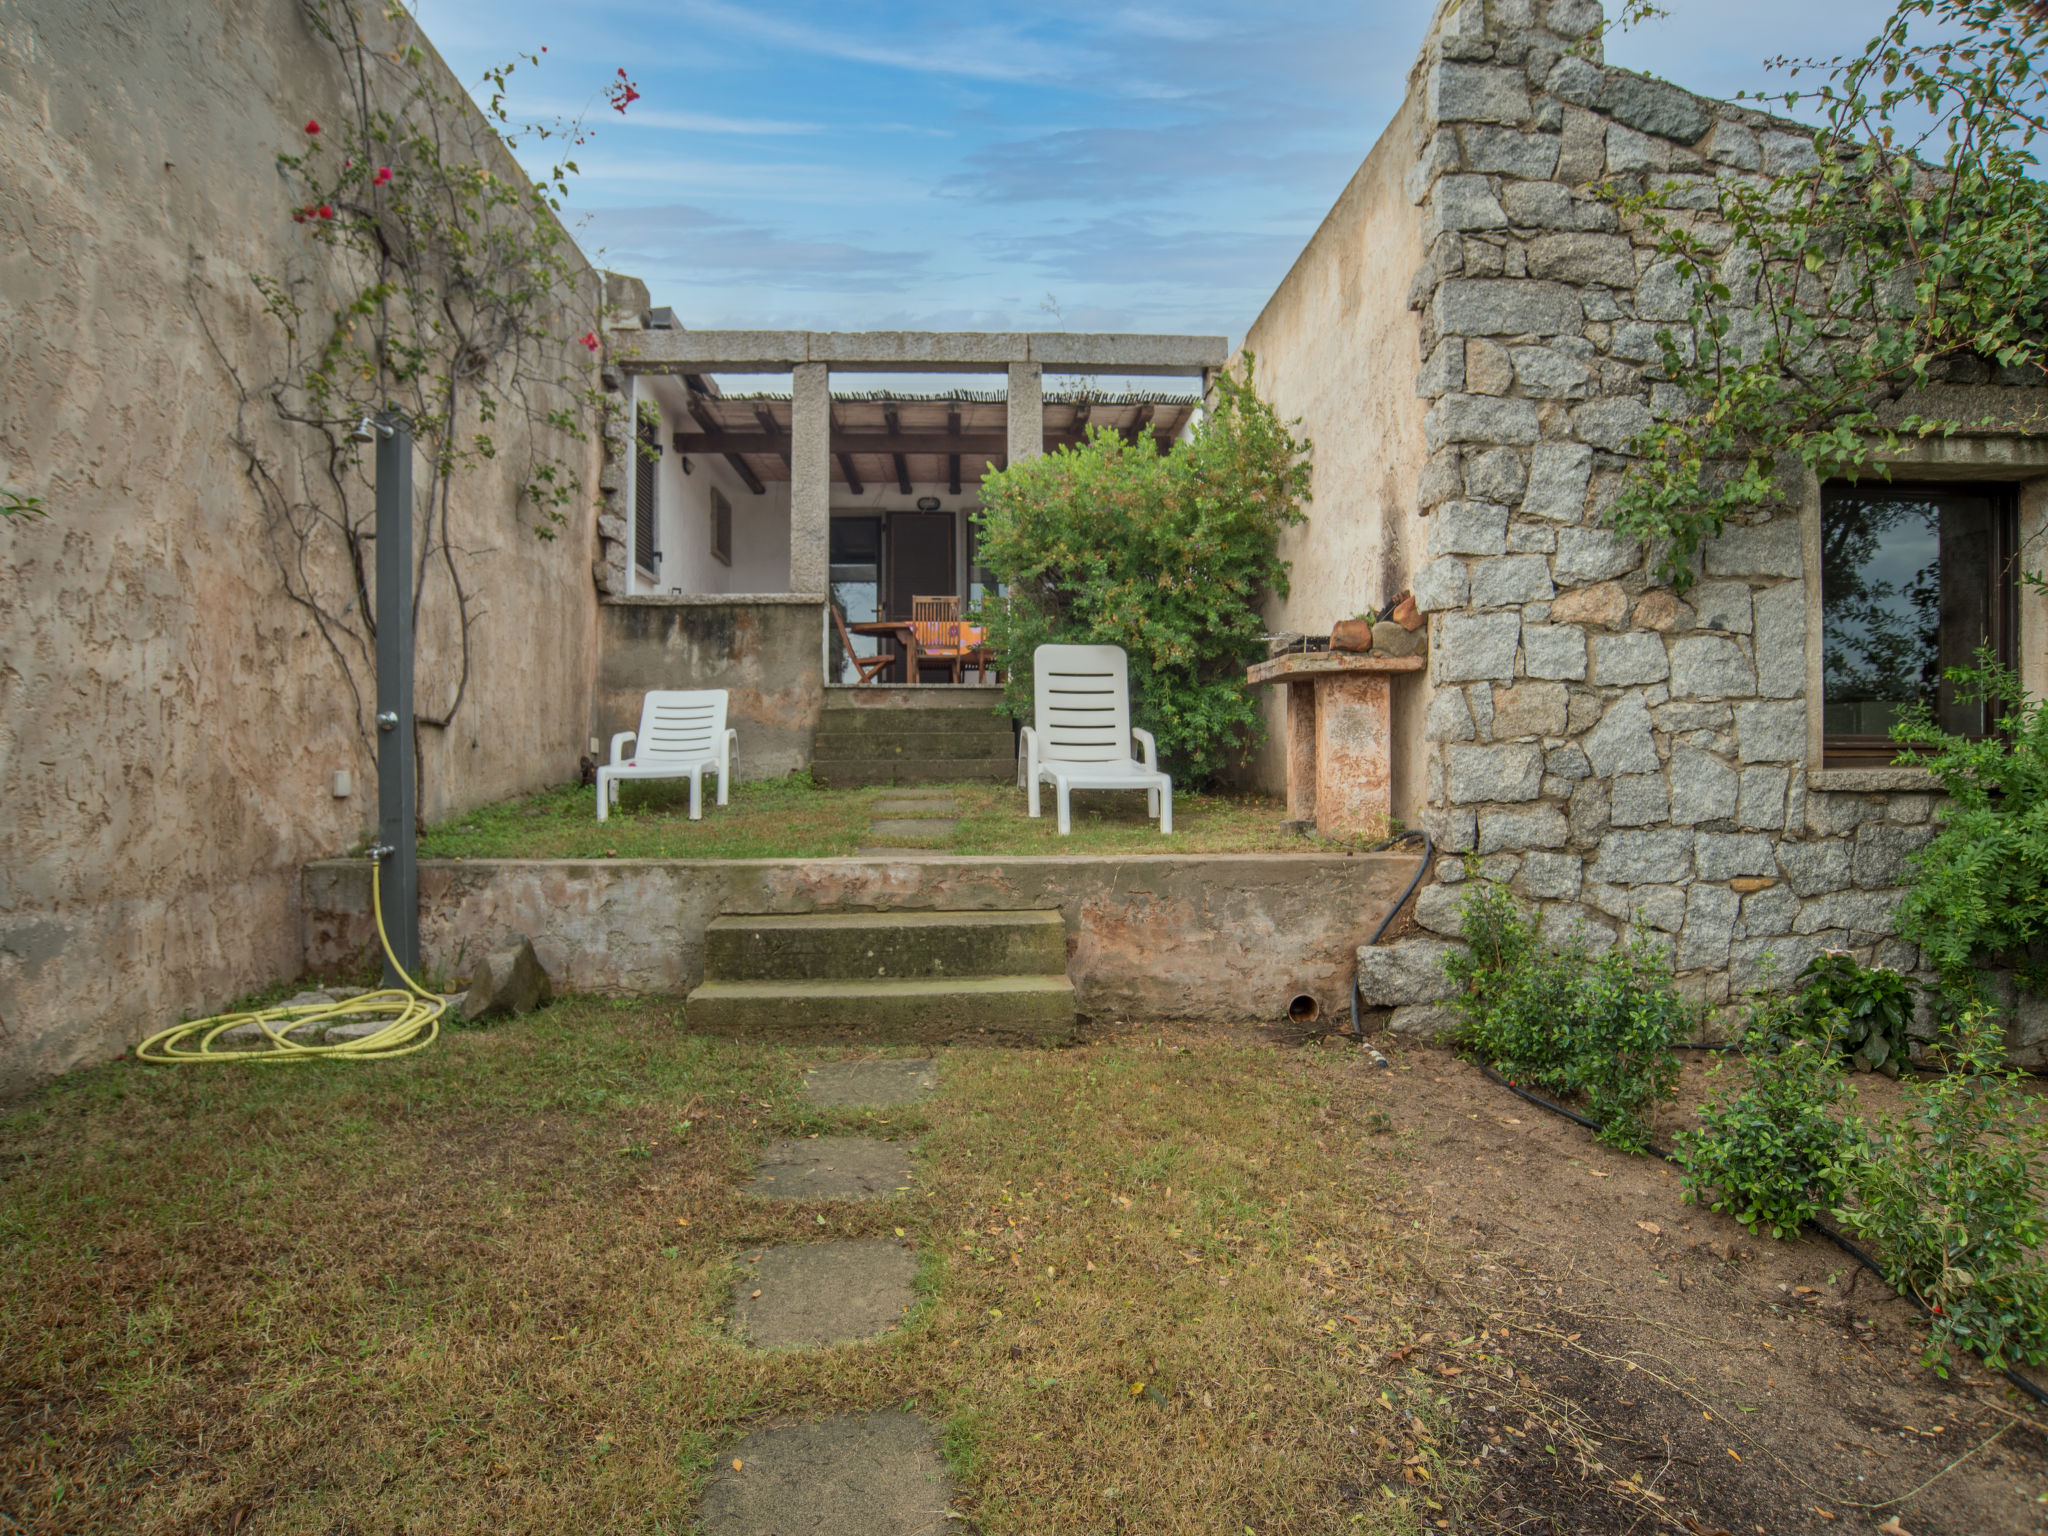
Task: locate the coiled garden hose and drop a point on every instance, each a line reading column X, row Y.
column 411, row 1021
column 1841, row 1242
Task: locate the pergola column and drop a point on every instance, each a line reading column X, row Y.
column 1026, row 412
column 810, row 479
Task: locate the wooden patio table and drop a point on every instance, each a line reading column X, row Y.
column 1339, row 737
column 903, row 635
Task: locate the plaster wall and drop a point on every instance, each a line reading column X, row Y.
column 1337, row 347
column 760, row 524
column 169, row 721
column 766, row 651
column 1227, row 938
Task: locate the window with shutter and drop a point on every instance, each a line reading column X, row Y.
column 721, row 527
column 646, row 510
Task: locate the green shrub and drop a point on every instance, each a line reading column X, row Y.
column 1553, row 1019
column 1981, row 887
column 1771, row 1155
column 1169, row 556
column 1949, row 1194
column 1865, row 1011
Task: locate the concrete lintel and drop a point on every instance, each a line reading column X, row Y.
column 677, row 351
column 716, row 600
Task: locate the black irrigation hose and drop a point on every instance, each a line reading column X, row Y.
column 1428, row 849
column 1841, row 1242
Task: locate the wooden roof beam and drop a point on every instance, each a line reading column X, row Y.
column 953, row 459
column 986, row 444
column 895, row 426
column 770, row 425
column 701, row 413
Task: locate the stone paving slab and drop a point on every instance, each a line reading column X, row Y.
column 851, row 1084
column 877, row 1474
column 934, row 805
column 913, row 826
column 832, row 1168
column 811, row 1294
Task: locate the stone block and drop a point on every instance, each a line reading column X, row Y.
column 1659, row 907
column 1575, row 80
column 1480, row 697
column 1703, row 788
column 1538, row 204
column 1464, row 202
column 1449, row 718
column 1391, row 639
column 1567, row 762
column 1762, row 800
column 1558, row 473
column 1440, row 584
column 1548, row 374
column 1444, row 373
column 1655, row 107
column 1629, row 151
column 1768, row 549
column 1497, row 475
column 1611, row 424
column 1865, row 914
column 1710, row 913
column 1664, row 294
column 1692, row 715
column 1510, row 580
column 1489, row 370
column 1787, row 152
column 1880, row 853
column 1583, row 155
column 1588, row 813
column 1476, row 647
column 1769, row 912
column 1552, row 876
column 1772, row 732
column 1735, row 146
column 1620, row 661
column 1837, row 815
column 1468, row 528
column 1780, row 620
column 1724, row 855
column 1722, row 605
column 1528, row 709
column 1480, row 419
column 1586, row 555
column 1454, row 829
column 1554, row 651
column 1531, row 539
column 1710, row 666
column 1439, row 155
column 1906, row 810
column 1476, row 93
column 1642, row 858
column 1572, row 18
column 1771, row 964
column 1506, row 307
column 1564, row 926
column 1815, row 868
column 1407, row 971
column 1537, row 826
column 1443, row 477
column 1622, row 742
column 1662, row 612
column 1505, row 773
column 507, row 982
column 1604, row 604
column 1583, row 258
column 1424, row 1021
column 1638, row 800
column 1507, row 152
column 1440, row 908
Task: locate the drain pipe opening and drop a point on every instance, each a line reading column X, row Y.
column 1304, row 1009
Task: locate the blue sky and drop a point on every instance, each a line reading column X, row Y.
column 1088, row 166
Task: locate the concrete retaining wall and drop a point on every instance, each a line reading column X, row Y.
column 1226, row 938
column 767, row 651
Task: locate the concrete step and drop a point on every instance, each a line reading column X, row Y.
column 930, row 745
column 852, row 773
column 867, row 946
column 921, row 1011
column 912, row 722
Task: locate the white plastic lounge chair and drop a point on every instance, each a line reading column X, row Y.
column 1081, row 733
column 682, row 735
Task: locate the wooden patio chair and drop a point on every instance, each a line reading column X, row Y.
column 867, row 668
column 935, row 633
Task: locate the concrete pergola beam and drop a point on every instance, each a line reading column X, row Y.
column 678, row 351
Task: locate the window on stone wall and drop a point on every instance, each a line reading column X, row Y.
column 1915, row 579
column 646, row 512
column 721, row 527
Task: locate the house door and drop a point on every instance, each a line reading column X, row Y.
column 920, row 558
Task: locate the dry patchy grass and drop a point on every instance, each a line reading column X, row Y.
column 482, row 1289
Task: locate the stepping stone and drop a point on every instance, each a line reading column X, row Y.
column 877, row 1474
column 850, row 1084
column 812, row 1294
column 913, row 826
column 941, row 805
column 832, row 1168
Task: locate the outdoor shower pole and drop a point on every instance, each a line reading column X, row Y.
column 397, row 789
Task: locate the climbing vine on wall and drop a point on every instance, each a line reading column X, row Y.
column 1905, row 251
column 435, row 279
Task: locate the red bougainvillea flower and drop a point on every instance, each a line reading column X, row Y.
column 383, row 175
column 312, row 125
column 298, row 215
column 622, row 93
column 589, row 339
column 325, row 212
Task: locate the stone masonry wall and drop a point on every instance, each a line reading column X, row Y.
column 1619, row 756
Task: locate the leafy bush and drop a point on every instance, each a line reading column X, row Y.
column 1981, row 887
column 1771, row 1155
column 1865, row 1011
column 1556, row 1020
column 1949, row 1195
column 1170, row 556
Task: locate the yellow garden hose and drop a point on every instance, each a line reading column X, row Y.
column 412, row 1021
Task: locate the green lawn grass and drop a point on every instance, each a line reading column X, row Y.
column 795, row 817
column 483, row 1289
